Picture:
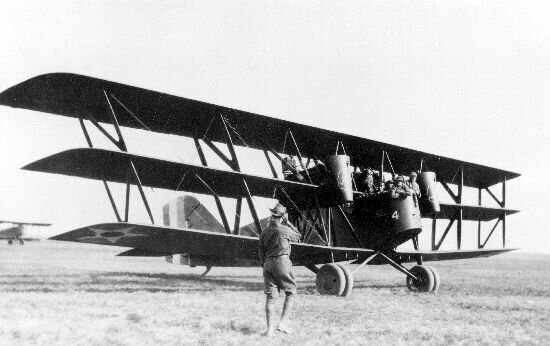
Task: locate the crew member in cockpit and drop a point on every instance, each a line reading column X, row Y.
column 399, row 190
column 413, row 185
column 290, row 169
column 368, row 182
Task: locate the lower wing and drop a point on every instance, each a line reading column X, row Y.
column 448, row 255
column 150, row 240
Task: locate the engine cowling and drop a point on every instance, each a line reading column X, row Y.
column 339, row 183
column 429, row 203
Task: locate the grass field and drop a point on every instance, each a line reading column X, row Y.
column 55, row 293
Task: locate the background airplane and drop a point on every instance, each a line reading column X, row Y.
column 21, row 231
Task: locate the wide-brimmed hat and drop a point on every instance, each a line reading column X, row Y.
column 278, row 210
column 413, row 174
column 399, row 178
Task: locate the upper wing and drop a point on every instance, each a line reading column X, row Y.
column 110, row 165
column 165, row 240
column 75, row 95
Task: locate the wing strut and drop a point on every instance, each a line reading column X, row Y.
column 238, row 208
column 458, row 217
column 273, row 171
column 218, row 204
column 300, row 157
column 502, row 202
column 479, row 244
column 107, row 189
column 306, row 233
column 350, row 228
column 200, row 152
column 232, row 162
column 252, row 207
column 435, row 246
column 132, row 173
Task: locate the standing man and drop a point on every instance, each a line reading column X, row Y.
column 275, row 259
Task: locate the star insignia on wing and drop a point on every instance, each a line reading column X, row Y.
column 110, row 235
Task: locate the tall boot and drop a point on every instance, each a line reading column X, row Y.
column 269, row 317
column 287, row 308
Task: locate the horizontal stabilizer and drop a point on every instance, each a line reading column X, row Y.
column 75, row 96
column 143, row 253
column 473, row 213
column 112, row 166
column 162, row 240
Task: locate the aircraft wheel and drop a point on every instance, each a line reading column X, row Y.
column 10, row 242
column 21, row 242
column 437, row 280
column 349, row 280
column 330, row 280
column 425, row 282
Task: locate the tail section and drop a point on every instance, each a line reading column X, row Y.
column 188, row 212
column 251, row 230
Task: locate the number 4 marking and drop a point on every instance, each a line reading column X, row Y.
column 395, row 215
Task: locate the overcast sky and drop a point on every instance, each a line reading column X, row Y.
column 465, row 79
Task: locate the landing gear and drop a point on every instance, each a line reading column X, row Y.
column 436, row 279
column 21, row 242
column 427, row 279
column 335, row 280
column 208, row 268
column 10, row 242
column 349, row 280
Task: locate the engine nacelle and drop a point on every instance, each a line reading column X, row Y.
column 339, row 179
column 429, row 203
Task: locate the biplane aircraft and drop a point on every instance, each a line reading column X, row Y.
column 338, row 221
column 19, row 231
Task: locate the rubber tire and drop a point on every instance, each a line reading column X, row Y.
column 330, row 280
column 349, row 280
column 426, row 277
column 437, row 279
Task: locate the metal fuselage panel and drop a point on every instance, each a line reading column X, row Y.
column 378, row 221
